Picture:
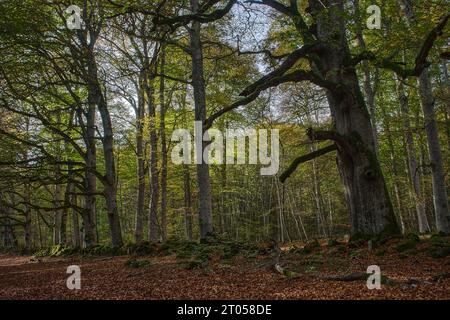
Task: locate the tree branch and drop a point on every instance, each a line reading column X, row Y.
column 291, row 59
column 290, row 170
column 421, row 58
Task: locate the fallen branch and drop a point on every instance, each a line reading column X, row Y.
column 362, row 276
column 356, row 276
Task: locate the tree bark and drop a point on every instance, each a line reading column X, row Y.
column 154, row 227
column 58, row 201
column 187, row 203
column 162, row 128
column 198, row 83
column 394, row 169
column 438, row 175
column 109, row 181
column 440, row 198
column 412, row 161
column 27, row 222
column 89, row 213
column 447, row 109
column 76, row 238
column 368, row 88
column 371, row 211
column 65, row 214
column 141, row 172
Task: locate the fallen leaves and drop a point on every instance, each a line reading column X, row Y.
column 162, row 277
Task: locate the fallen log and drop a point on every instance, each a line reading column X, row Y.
column 356, row 276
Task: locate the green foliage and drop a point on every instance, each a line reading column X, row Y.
column 194, row 264
column 332, row 242
column 136, row 263
column 139, row 249
column 30, row 42
column 409, row 243
column 57, row 251
column 64, row 251
column 440, row 246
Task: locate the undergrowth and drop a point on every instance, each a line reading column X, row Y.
column 192, row 255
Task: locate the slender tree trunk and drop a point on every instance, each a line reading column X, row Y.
column 440, row 198
column 198, row 83
column 89, row 213
column 27, row 209
column 412, row 161
column 437, row 169
column 109, row 181
column 27, row 222
column 163, row 148
column 3, row 215
column 394, row 168
column 154, row 227
column 317, row 194
column 110, row 185
column 58, row 212
column 65, row 214
column 76, row 238
column 187, row 203
column 447, row 109
column 141, row 172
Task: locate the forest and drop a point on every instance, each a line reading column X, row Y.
column 224, row 149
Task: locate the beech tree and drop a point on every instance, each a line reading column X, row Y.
column 87, row 117
column 332, row 67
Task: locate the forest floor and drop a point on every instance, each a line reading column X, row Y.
column 419, row 270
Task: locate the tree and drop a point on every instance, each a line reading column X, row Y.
column 440, row 198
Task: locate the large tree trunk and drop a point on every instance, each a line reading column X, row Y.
column 438, row 175
column 371, row 212
column 412, row 161
column 198, row 83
